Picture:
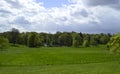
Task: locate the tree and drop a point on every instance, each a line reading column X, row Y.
column 114, row 44
column 56, row 39
column 86, row 37
column 86, row 43
column 25, row 38
column 21, row 39
column 4, row 43
column 77, row 40
column 49, row 39
column 65, row 39
column 104, row 39
column 33, row 40
column 93, row 41
column 15, row 36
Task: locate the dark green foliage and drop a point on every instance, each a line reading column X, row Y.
column 21, row 39
column 49, row 39
column 65, row 39
column 4, row 43
column 58, row 39
column 93, row 41
column 15, row 36
column 114, row 44
column 33, row 40
column 77, row 40
column 87, row 37
column 86, row 43
column 105, row 38
column 76, row 43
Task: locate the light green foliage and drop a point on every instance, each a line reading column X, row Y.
column 4, row 43
column 114, row 44
column 86, row 43
column 58, row 60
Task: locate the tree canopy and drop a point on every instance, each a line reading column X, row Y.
column 34, row 39
column 77, row 40
column 4, row 43
column 65, row 39
column 114, row 44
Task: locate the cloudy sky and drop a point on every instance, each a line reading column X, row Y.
column 91, row 16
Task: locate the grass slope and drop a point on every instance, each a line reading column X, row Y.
column 59, row 60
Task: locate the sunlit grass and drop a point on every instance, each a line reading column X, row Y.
column 59, row 60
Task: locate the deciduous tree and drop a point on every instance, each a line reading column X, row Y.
column 4, row 43
column 114, row 44
column 33, row 40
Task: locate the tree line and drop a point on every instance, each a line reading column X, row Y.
column 34, row 39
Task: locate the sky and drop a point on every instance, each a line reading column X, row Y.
column 87, row 16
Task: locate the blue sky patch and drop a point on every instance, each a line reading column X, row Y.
column 53, row 3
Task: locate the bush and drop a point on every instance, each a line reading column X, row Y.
column 4, row 43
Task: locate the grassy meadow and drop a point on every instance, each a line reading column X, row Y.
column 59, row 60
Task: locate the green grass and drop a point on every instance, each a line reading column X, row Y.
column 59, row 60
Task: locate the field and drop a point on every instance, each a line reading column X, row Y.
column 59, row 60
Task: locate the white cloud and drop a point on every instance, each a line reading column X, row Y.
column 27, row 15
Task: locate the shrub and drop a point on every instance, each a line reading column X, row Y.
column 4, row 43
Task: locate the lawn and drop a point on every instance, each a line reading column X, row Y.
column 59, row 60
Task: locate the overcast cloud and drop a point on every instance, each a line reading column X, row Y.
column 91, row 16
